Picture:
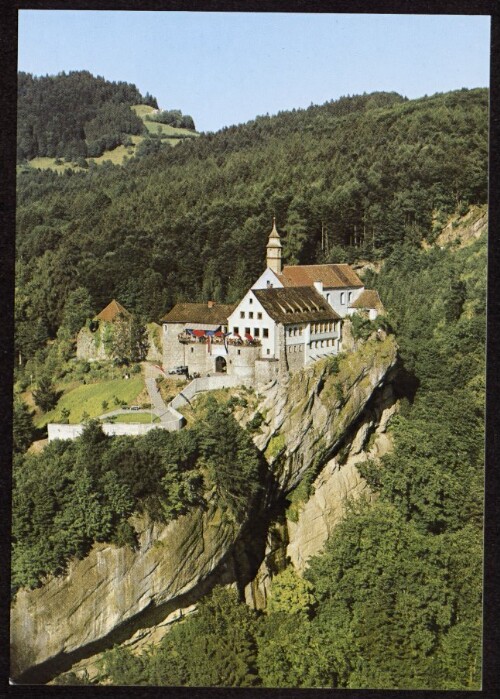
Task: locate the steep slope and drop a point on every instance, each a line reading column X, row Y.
column 74, row 114
column 115, row 594
column 344, row 180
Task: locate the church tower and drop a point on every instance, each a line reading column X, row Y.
column 273, row 259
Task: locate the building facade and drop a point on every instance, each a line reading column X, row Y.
column 291, row 316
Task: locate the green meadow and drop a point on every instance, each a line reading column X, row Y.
column 88, row 398
column 136, row 417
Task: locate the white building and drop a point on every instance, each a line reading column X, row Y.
column 295, row 325
column 338, row 283
column 290, row 317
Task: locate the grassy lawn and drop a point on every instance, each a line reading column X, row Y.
column 136, row 417
column 88, row 398
column 170, row 131
column 152, row 126
column 50, row 164
column 142, row 109
column 117, row 155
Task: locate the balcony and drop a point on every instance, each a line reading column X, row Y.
column 187, row 338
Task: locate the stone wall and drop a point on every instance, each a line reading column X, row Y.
column 195, row 355
column 241, row 361
column 198, row 359
column 206, row 383
column 266, row 370
column 295, row 356
column 155, row 349
column 88, row 348
column 61, row 431
column 90, row 345
column 173, row 350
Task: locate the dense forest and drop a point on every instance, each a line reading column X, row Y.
column 351, row 178
column 75, row 115
column 78, row 492
column 394, row 600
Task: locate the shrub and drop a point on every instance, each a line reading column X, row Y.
column 257, row 420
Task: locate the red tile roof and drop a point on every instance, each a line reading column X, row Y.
column 295, row 305
column 333, row 276
column 112, row 310
column 199, row 313
column 368, row 298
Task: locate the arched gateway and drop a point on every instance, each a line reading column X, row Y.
column 220, row 365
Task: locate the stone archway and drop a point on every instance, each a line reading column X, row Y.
column 220, row 365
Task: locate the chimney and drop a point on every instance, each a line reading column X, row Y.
column 318, row 286
column 211, row 304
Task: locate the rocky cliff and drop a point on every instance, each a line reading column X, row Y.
column 314, row 423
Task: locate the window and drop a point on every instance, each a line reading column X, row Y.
column 250, row 300
column 236, row 330
column 250, row 314
column 342, row 297
column 259, row 316
column 239, row 351
column 242, row 314
column 265, row 332
column 268, row 351
column 328, row 298
column 192, row 349
column 350, row 296
column 256, row 332
column 247, row 331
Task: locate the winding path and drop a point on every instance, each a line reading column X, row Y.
column 158, row 406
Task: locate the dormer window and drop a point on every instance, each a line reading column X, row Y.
column 342, row 297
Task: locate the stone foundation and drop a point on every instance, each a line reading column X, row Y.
column 266, row 370
column 61, row 431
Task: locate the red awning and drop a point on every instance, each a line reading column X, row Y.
column 219, row 333
column 248, row 337
column 199, row 333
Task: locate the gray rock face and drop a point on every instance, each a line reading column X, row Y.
column 311, row 415
column 116, row 595
column 333, row 487
column 108, row 595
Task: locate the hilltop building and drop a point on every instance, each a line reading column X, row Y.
column 94, row 341
column 290, row 317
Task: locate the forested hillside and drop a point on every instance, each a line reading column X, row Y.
column 394, row 601
column 347, row 179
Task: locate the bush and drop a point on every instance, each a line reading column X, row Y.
column 362, row 327
column 125, row 535
column 254, row 424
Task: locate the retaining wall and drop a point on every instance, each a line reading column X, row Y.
column 206, row 383
column 62, row 431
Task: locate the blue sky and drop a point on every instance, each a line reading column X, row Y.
column 226, row 68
